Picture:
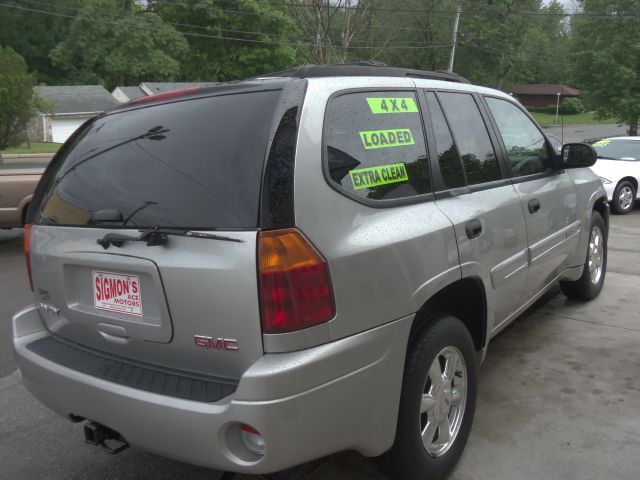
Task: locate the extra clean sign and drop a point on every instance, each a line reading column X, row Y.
column 116, row 292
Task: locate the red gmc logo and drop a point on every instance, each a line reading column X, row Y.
column 227, row 344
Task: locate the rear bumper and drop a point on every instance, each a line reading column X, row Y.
column 306, row 404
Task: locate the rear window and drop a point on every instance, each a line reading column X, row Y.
column 191, row 164
column 375, row 145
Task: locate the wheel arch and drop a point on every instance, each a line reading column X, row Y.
column 601, row 206
column 633, row 180
column 472, row 311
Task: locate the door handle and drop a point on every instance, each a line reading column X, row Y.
column 534, row 205
column 473, row 228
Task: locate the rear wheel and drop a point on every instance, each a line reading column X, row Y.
column 624, row 197
column 437, row 402
column 589, row 285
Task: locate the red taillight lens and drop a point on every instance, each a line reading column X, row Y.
column 295, row 286
column 27, row 251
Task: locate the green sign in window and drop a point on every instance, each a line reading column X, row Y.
column 374, row 176
column 386, row 138
column 392, row 105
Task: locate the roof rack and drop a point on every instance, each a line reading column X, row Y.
column 364, row 69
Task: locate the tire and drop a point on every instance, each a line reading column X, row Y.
column 624, row 197
column 589, row 285
column 442, row 337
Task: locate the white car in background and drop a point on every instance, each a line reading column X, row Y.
column 619, row 167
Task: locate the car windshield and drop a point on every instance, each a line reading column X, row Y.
column 626, row 150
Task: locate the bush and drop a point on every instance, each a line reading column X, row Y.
column 572, row 106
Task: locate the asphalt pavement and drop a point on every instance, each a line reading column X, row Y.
column 559, row 395
column 579, row 133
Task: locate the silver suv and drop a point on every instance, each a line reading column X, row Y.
column 253, row 275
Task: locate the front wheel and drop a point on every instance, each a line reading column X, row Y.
column 589, row 285
column 624, row 197
column 437, row 402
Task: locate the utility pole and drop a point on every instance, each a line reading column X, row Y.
column 454, row 39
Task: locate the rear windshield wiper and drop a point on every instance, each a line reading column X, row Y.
column 155, row 236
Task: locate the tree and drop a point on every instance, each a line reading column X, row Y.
column 606, row 58
column 328, row 27
column 33, row 35
column 507, row 41
column 230, row 41
column 411, row 33
column 16, row 97
column 115, row 42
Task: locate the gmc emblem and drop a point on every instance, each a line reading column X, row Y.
column 227, row 344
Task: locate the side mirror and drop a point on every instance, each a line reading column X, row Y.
column 578, row 155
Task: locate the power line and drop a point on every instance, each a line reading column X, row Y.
column 222, row 37
column 214, row 27
column 477, row 13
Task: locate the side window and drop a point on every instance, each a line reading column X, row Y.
column 448, row 158
column 471, row 137
column 526, row 146
column 375, row 145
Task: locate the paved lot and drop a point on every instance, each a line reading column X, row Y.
column 578, row 133
column 559, row 395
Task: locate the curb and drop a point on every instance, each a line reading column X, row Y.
column 26, row 155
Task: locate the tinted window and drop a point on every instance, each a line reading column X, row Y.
column 628, row 150
column 448, row 159
column 471, row 137
column 375, row 145
column 526, row 146
column 195, row 163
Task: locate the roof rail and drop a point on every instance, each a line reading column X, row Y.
column 364, row 69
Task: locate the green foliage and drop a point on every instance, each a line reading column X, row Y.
column 116, row 42
column 210, row 59
column 572, row 106
column 396, row 35
column 113, row 43
column 33, row 35
column 16, row 97
column 503, row 47
column 606, row 55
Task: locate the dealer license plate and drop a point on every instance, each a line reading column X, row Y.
column 117, row 292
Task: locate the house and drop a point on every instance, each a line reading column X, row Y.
column 154, row 88
column 126, row 94
column 543, row 94
column 70, row 106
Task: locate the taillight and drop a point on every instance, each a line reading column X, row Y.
column 27, row 251
column 295, row 286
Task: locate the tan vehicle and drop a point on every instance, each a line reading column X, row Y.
column 19, row 175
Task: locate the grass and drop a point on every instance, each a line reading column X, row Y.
column 35, row 148
column 586, row 118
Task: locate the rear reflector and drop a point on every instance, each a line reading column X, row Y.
column 253, row 441
column 27, row 251
column 295, row 286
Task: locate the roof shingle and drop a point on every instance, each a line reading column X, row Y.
column 77, row 98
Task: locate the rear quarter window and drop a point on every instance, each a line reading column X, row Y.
column 374, row 145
